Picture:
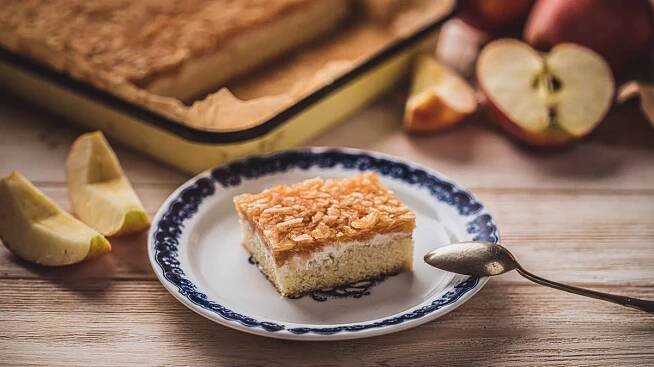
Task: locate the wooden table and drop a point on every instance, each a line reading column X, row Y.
column 584, row 215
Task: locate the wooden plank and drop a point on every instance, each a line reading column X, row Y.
column 616, row 157
column 583, row 215
column 139, row 323
column 575, row 236
column 36, row 143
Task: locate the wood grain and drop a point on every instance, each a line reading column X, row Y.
column 532, row 224
column 36, row 143
column 618, row 156
column 137, row 322
column 584, row 215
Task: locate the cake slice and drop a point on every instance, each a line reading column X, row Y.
column 324, row 233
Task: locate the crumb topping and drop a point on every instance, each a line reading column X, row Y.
column 133, row 39
column 317, row 211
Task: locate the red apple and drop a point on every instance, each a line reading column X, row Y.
column 494, row 15
column 545, row 99
column 617, row 30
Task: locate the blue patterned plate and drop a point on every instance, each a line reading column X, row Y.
column 194, row 248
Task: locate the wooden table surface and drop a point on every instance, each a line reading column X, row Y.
column 584, row 215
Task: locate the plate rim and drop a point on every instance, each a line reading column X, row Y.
column 384, row 325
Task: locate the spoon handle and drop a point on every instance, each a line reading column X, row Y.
column 640, row 304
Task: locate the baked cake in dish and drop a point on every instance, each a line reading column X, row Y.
column 324, row 233
column 171, row 48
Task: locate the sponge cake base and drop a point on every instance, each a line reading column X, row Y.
column 332, row 265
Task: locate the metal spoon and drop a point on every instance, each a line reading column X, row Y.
column 484, row 259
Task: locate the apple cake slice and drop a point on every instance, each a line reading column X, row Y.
column 324, row 233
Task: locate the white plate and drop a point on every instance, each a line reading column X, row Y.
column 194, row 248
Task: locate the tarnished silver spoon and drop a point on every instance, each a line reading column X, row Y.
column 486, row 259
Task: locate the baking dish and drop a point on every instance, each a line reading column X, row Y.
column 193, row 149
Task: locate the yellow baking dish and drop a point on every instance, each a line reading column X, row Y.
column 191, row 149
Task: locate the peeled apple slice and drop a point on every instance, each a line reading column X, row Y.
column 34, row 228
column 100, row 194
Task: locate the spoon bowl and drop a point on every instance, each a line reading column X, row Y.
column 473, row 258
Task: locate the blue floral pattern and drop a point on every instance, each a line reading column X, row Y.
column 166, row 234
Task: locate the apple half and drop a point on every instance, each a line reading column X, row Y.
column 545, row 99
column 100, row 194
column 439, row 97
column 34, row 228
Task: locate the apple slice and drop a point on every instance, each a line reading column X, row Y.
column 100, row 194
column 545, row 99
column 439, row 97
column 458, row 46
column 642, row 90
column 34, row 228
